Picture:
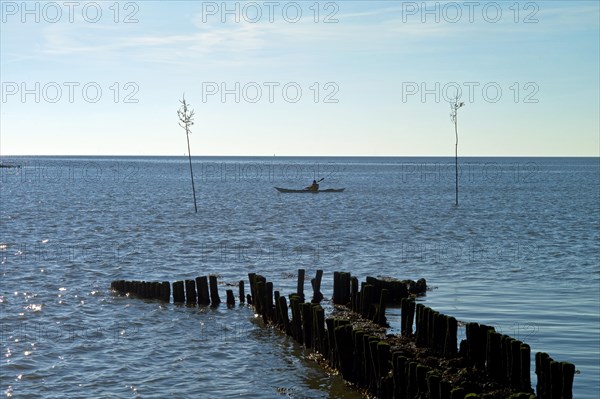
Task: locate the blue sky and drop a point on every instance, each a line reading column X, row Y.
column 528, row 72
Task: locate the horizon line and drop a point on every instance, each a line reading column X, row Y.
column 298, row 156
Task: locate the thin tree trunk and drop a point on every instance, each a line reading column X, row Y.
column 191, row 172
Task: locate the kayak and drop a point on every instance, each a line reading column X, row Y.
column 329, row 190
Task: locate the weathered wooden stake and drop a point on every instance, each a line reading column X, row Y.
column 300, row 287
column 316, row 286
column 241, row 288
column 283, row 314
column 178, row 293
column 190, row 292
column 230, row 298
column 214, row 291
column 202, row 287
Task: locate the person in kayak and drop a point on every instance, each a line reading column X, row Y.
column 314, row 186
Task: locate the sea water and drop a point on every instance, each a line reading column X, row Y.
column 520, row 252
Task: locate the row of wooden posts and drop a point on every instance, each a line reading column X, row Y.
column 362, row 353
column 201, row 291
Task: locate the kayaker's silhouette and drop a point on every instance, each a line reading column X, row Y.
column 314, row 186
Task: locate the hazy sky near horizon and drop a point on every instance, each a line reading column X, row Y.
column 300, row 78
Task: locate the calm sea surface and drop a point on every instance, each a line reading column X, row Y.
column 521, row 253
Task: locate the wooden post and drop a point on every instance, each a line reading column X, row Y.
column 251, row 277
column 413, row 382
column 336, row 288
column 178, row 293
column 202, row 287
column 345, row 288
column 214, row 292
column 276, row 316
column 450, row 349
column 383, row 359
column 445, row 389
column 316, row 286
column 306, row 310
column 359, row 356
column 380, row 313
column 556, row 378
column 472, row 330
column 515, row 355
column 283, row 310
column 269, row 301
column 230, row 298
column 319, row 329
column 420, row 333
column 166, row 291
column 242, row 296
column 296, row 318
column 494, row 356
column 400, row 380
column 261, row 296
column 354, row 294
column 367, row 300
column 568, row 373
column 525, row 368
column 331, row 343
column 422, row 371
column 300, row 287
column 190, row 292
column 343, row 347
column 433, row 384
column 457, row 393
column 374, row 365
column 506, row 348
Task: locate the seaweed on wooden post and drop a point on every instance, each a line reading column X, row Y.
column 433, row 384
column 186, row 120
